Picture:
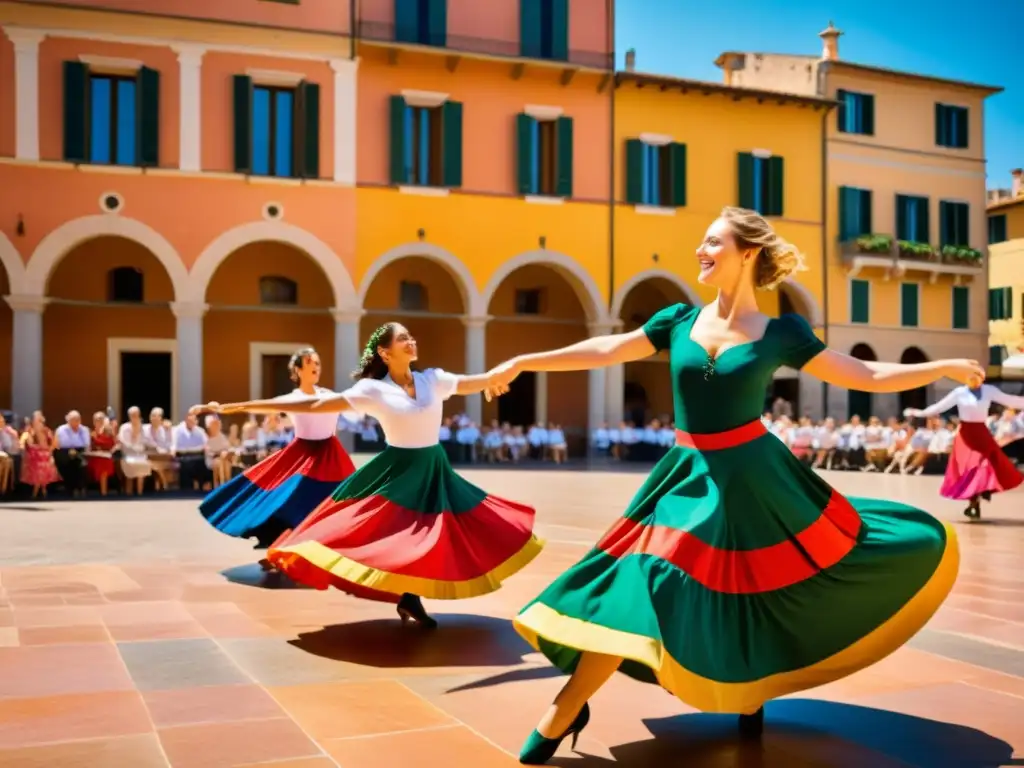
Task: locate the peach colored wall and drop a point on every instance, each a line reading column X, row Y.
column 498, row 20
column 53, row 52
column 218, row 104
column 75, row 337
column 7, row 97
column 315, row 15
column 190, row 213
column 491, row 100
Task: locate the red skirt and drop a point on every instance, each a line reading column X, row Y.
column 978, row 465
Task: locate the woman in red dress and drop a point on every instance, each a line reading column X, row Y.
column 37, row 468
column 101, row 462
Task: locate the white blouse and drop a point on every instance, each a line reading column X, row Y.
column 311, row 426
column 969, row 406
column 407, row 422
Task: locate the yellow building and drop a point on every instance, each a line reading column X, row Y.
column 1006, row 283
column 906, row 242
column 683, row 150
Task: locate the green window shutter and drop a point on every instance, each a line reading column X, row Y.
column 848, row 200
column 908, row 305
column 307, row 132
column 901, row 218
column 560, row 30
column 945, row 223
column 407, row 21
column 963, row 224
column 677, row 162
column 776, row 186
column 997, row 229
column 963, row 128
column 940, row 129
column 76, row 111
column 866, row 220
column 399, row 170
column 437, row 24
column 634, row 171
column 524, row 153
column 451, row 125
column 1007, row 303
column 745, row 176
column 563, row 156
column 868, row 114
column 924, row 231
column 529, row 28
column 841, row 111
column 242, row 89
column 860, row 299
column 961, row 302
column 147, row 123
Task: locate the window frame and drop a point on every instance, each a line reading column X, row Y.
column 992, row 219
column 856, row 130
column 273, row 89
column 945, row 115
column 917, row 291
column 965, row 291
column 115, row 78
column 867, row 283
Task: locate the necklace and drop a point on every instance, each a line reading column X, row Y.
column 709, row 368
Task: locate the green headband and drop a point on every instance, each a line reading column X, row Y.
column 371, row 345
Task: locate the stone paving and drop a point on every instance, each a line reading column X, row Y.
column 134, row 636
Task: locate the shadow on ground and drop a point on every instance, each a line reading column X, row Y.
column 461, row 641
column 253, row 575
column 806, row 733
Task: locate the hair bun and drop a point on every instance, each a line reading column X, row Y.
column 776, row 262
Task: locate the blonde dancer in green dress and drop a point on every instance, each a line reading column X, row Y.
column 737, row 574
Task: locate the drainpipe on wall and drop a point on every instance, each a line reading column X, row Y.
column 825, row 251
column 353, row 20
column 610, row 16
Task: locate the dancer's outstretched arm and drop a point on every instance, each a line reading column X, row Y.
column 870, row 376
column 1010, row 401
column 596, row 352
column 281, row 404
column 943, row 405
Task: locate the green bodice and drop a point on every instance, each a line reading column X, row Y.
column 734, row 393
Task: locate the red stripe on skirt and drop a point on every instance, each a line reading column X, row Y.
column 321, row 460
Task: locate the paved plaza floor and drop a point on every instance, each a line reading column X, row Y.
column 132, row 635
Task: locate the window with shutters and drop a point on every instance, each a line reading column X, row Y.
column 954, row 223
column 761, row 183
column 528, row 301
column 277, row 129
column 655, row 173
column 544, row 29
column 951, row 126
column 421, row 22
column 278, row 290
column 912, row 219
column 854, row 213
column 112, row 120
column 426, row 144
column 125, row 285
column 545, row 156
column 273, row 131
column 856, row 113
column 961, row 307
column 910, row 295
column 1000, row 303
column 997, row 229
column 412, row 296
column 860, row 301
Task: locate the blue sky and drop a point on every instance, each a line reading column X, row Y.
column 936, row 37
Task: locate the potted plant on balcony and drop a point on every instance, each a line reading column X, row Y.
column 876, row 244
column 960, row 254
column 909, row 249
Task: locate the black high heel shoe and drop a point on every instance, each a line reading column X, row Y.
column 538, row 750
column 410, row 608
column 752, row 726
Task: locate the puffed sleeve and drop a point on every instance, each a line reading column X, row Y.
column 659, row 328
column 799, row 345
column 443, row 383
column 363, row 400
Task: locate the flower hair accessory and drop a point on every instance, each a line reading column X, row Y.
column 371, row 345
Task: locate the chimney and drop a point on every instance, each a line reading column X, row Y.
column 830, row 40
column 1016, row 190
column 631, row 60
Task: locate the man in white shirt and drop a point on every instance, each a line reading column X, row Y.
column 467, row 438
column 601, row 441
column 537, row 437
column 72, row 441
column 189, row 446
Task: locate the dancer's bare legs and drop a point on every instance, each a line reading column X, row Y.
column 593, row 671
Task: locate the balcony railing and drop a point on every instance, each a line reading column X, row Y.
column 386, row 32
column 900, row 256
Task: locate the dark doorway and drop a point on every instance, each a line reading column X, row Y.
column 913, row 398
column 635, row 405
column 519, row 406
column 860, row 403
column 145, row 382
column 788, row 390
column 275, row 377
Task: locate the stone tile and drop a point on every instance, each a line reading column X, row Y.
column 229, row 625
column 8, row 637
column 64, row 616
column 63, row 635
column 273, row 662
column 339, row 710
column 211, row 704
column 441, row 747
column 173, row 664
column 172, row 630
column 61, row 669
column 972, row 651
column 25, row 722
column 133, row 751
column 302, row 762
column 225, row 745
column 121, row 614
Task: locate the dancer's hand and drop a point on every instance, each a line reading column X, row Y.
column 211, row 407
column 500, row 378
column 912, row 413
column 964, row 371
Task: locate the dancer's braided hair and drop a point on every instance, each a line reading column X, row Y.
column 371, row 365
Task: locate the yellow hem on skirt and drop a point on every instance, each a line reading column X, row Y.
column 540, row 621
column 326, row 559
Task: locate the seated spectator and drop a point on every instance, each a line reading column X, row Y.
column 826, row 439
column 100, row 459
column 516, row 444
column 10, row 451
column 557, row 446
column 131, row 442
column 218, row 451
column 467, row 437
column 538, row 440
column 875, row 446
column 494, row 444
column 802, row 440
column 190, row 451
column 159, row 443
column 37, row 467
column 70, row 445
column 251, row 450
column 940, row 446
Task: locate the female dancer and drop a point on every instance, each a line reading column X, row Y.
column 272, row 497
column 977, row 466
column 731, row 533
column 405, row 525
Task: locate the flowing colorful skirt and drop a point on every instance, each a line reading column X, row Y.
column 406, row 522
column 275, row 495
column 737, row 575
column 977, row 464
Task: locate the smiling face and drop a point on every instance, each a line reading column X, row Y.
column 402, row 350
column 722, row 262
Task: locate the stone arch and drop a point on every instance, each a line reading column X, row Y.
column 812, row 309
column 653, row 274
column 217, row 252
column 13, row 265
column 586, row 289
column 471, row 299
column 62, row 240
